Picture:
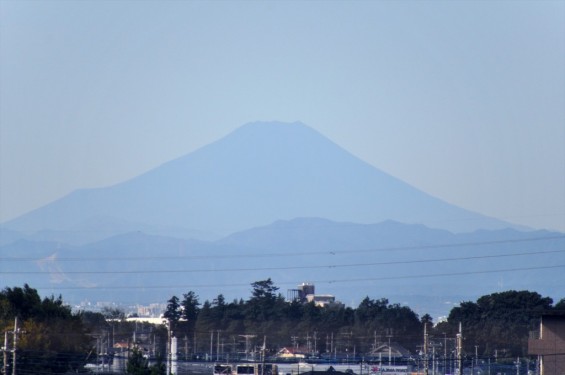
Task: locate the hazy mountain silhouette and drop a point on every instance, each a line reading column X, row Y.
column 259, row 173
column 412, row 264
column 271, row 200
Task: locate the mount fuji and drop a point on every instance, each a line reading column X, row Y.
column 260, row 173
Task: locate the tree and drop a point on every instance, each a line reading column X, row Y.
column 21, row 302
column 190, row 311
column 560, row 305
column 264, row 290
column 426, row 319
column 113, row 313
column 139, row 365
column 190, row 307
column 93, row 321
column 219, row 301
column 265, row 309
column 159, row 368
column 56, row 340
column 500, row 321
column 173, row 312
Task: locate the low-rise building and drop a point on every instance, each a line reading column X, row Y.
column 306, row 293
column 321, row 300
column 291, row 353
column 549, row 344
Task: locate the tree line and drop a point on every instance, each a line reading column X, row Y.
column 54, row 339
column 47, row 337
column 497, row 323
column 267, row 315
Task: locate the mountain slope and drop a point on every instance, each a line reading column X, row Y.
column 259, row 173
column 412, row 264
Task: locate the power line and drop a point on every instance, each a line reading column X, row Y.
column 333, row 281
column 446, row 274
column 287, row 254
column 366, row 264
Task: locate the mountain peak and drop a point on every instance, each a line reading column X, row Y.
column 259, row 173
column 272, row 124
column 285, row 134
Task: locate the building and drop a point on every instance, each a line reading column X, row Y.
column 390, row 353
column 321, row 300
column 549, row 344
column 300, row 293
column 291, row 353
column 306, row 293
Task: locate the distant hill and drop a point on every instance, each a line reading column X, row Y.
column 425, row 268
column 260, row 173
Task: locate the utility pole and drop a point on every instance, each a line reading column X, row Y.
column 476, row 359
column 444, row 352
column 434, row 360
column 174, row 357
column 169, row 348
column 223, row 351
column 5, row 350
column 263, row 355
column 211, row 345
column 459, row 350
column 247, row 338
column 315, row 342
column 389, row 335
column 16, row 333
column 233, row 346
column 426, row 348
column 294, row 340
column 218, row 346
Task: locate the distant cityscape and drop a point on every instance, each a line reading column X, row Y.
column 153, row 310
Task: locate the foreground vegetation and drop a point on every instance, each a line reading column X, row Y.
column 53, row 339
column 498, row 323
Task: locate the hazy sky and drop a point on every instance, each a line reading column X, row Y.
column 464, row 100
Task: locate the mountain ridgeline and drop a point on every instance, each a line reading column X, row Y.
column 428, row 269
column 280, row 201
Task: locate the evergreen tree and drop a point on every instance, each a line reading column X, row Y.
column 500, row 321
column 55, row 339
column 137, row 364
column 173, row 312
column 190, row 306
column 560, row 305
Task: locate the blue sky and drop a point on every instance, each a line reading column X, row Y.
column 464, row 100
